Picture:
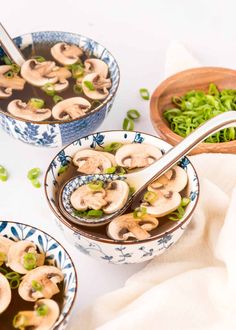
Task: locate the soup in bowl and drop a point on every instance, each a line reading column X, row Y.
column 141, row 233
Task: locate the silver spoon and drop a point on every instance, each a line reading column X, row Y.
column 148, row 174
column 10, row 47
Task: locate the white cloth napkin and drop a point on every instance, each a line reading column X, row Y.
column 192, row 285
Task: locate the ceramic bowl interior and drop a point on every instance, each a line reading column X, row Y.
column 32, row 42
column 56, row 255
column 54, row 180
column 178, row 85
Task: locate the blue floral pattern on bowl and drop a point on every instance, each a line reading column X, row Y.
column 55, row 255
column 104, row 248
column 58, row 134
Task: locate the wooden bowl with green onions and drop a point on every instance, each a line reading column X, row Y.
column 187, row 99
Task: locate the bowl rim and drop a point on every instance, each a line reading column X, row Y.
column 47, row 122
column 99, row 239
column 64, row 316
column 157, row 117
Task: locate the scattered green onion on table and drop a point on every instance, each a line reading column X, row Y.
column 196, row 107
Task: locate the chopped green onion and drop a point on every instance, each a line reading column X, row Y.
column 185, row 201
column 30, row 261
column 77, row 70
column 77, row 89
column 6, row 60
column 128, row 124
column 42, row 310
column 150, row 197
column 131, row 191
column 20, row 321
column 177, row 215
column 133, row 114
column 37, row 286
column 2, row 258
column 36, row 183
column 112, row 147
column 9, row 74
column 57, row 98
column 48, row 88
column 96, row 186
column 15, row 68
column 34, row 173
column 144, row 93
column 3, row 174
column 39, row 59
column 3, row 271
column 81, row 214
column 12, row 275
column 14, row 283
column 14, row 279
column 120, row 170
column 36, row 103
column 139, row 212
column 62, row 169
column 110, row 170
column 89, row 85
column 95, row 213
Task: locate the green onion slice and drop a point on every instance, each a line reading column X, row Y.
column 57, row 98
column 39, row 59
column 37, row 286
column 150, row 197
column 9, row 74
column 36, row 183
column 133, row 114
column 139, row 212
column 96, row 186
column 36, row 103
column 128, row 124
column 48, row 88
column 3, row 271
column 95, row 213
column 3, row 174
column 144, row 93
column 30, row 261
column 185, row 201
column 20, row 321
column 110, row 170
column 42, row 310
column 34, row 173
column 112, row 147
column 77, row 89
column 89, row 85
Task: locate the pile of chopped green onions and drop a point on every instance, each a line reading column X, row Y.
column 196, row 107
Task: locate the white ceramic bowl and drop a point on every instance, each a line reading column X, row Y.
column 98, row 245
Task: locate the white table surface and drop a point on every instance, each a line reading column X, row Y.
column 138, row 34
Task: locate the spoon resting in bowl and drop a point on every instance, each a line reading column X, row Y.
column 135, row 179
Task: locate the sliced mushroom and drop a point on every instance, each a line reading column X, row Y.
column 34, row 320
column 71, row 108
column 18, row 251
column 84, row 198
column 27, row 111
column 5, row 293
column 66, row 54
column 174, row 180
column 100, row 86
column 126, row 226
column 47, row 277
column 166, row 202
column 137, row 155
column 117, row 193
column 94, row 65
column 5, row 244
column 110, row 156
column 90, row 161
column 7, row 84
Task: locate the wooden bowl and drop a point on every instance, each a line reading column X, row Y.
column 178, row 85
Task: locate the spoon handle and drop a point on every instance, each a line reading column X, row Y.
column 10, row 48
column 150, row 174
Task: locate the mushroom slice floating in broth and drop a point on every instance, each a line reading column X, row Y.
column 9, row 82
column 28, row 111
column 117, row 193
column 5, row 293
column 44, row 316
column 95, row 86
column 66, row 54
column 40, row 282
column 166, row 202
column 137, row 155
column 91, row 161
column 23, row 256
column 71, row 108
column 84, row 198
column 175, row 179
column 126, row 226
column 94, row 65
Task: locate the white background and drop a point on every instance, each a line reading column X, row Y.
column 138, row 34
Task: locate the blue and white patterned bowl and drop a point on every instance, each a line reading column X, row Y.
column 58, row 133
column 97, row 245
column 56, row 255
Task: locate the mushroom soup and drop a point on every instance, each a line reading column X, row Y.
column 60, row 83
column 163, row 202
column 31, row 292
